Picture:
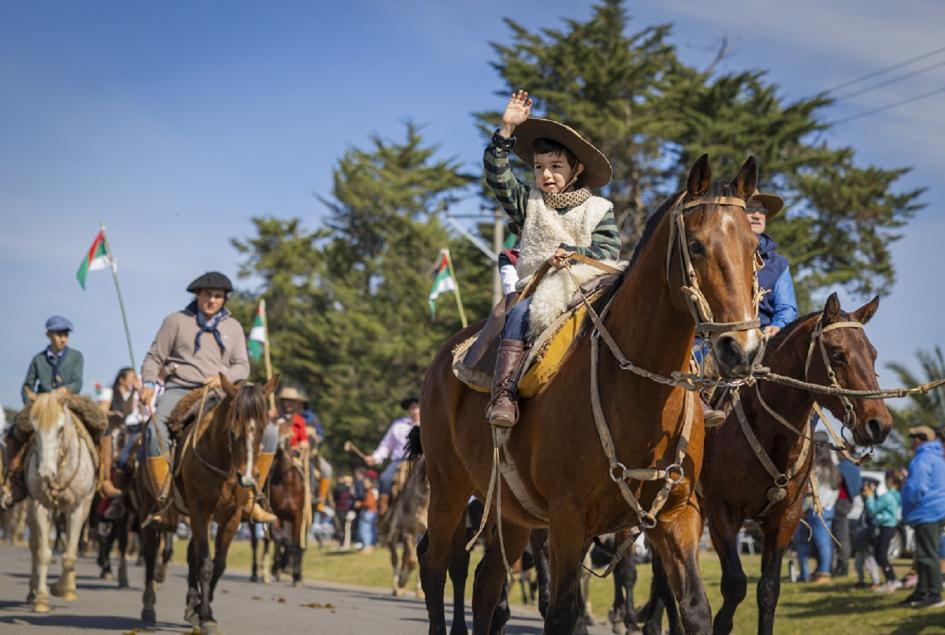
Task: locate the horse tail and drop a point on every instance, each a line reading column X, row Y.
column 413, row 447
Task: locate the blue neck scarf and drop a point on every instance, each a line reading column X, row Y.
column 207, row 327
column 55, row 359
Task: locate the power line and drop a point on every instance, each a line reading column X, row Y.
column 890, row 81
column 885, row 70
column 895, row 104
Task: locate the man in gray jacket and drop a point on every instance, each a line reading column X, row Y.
column 192, row 348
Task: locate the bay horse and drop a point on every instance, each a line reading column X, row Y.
column 287, row 499
column 61, row 475
column 407, row 520
column 828, row 347
column 213, row 479
column 695, row 263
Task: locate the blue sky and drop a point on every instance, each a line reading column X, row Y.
column 175, row 122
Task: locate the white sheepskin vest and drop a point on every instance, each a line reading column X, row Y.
column 544, row 230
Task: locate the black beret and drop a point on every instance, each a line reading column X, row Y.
column 210, row 280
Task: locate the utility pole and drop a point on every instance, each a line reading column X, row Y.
column 498, row 239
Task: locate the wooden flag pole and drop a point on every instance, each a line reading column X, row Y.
column 265, row 324
column 459, row 298
column 121, row 303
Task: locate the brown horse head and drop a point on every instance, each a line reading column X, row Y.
column 721, row 250
column 852, row 360
column 246, row 413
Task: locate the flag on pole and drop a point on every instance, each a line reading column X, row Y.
column 257, row 333
column 443, row 281
column 98, row 257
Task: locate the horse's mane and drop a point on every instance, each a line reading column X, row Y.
column 46, row 408
column 719, row 188
column 249, row 403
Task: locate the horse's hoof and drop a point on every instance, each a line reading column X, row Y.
column 148, row 616
column 105, row 575
column 67, row 595
column 41, row 606
column 123, row 583
column 209, row 628
column 191, row 617
column 421, row 595
column 397, row 592
column 254, row 578
column 159, row 575
column 30, row 597
column 297, row 584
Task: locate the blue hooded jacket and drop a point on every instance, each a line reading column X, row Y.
column 778, row 306
column 923, row 493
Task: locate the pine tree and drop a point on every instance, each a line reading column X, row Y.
column 347, row 304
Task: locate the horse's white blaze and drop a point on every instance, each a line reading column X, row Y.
column 48, row 447
column 248, row 477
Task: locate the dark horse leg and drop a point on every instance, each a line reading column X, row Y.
column 568, row 547
column 166, row 554
column 444, row 522
column 150, row 541
column 297, row 529
column 676, row 539
column 458, row 572
column 661, row 597
column 723, row 527
column 193, row 582
column 123, row 527
column 539, row 542
column 778, row 532
column 490, row 579
column 253, row 546
column 622, row 612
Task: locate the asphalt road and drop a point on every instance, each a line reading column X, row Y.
column 239, row 606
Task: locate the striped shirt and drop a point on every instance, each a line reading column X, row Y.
column 512, row 195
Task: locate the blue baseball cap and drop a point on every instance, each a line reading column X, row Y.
column 58, row 323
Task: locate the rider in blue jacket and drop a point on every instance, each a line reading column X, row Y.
column 923, row 507
column 778, row 306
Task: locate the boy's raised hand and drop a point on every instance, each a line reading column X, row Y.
column 517, row 112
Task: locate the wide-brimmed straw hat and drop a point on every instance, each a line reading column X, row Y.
column 925, row 432
column 772, row 203
column 287, row 392
column 597, row 169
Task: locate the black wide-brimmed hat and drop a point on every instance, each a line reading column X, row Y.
column 210, row 280
column 597, row 169
column 771, row 202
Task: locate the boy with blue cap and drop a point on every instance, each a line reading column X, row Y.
column 58, row 368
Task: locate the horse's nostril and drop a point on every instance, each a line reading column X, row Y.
column 875, row 429
column 730, row 352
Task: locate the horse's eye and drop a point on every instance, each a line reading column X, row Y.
column 838, row 357
column 696, row 248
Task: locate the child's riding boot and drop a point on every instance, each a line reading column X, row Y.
column 159, row 470
column 105, row 467
column 256, row 512
column 503, row 407
column 14, row 488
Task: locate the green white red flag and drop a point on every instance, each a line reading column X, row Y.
column 97, row 257
column 443, row 282
column 257, row 333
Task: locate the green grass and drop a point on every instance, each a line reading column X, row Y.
column 804, row 609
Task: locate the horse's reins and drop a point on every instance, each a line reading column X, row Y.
column 702, row 314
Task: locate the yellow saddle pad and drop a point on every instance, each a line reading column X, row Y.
column 544, row 359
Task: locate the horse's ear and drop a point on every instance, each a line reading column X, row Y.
column 228, row 386
column 271, row 384
column 746, row 181
column 30, row 395
column 866, row 312
column 831, row 309
column 700, row 177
